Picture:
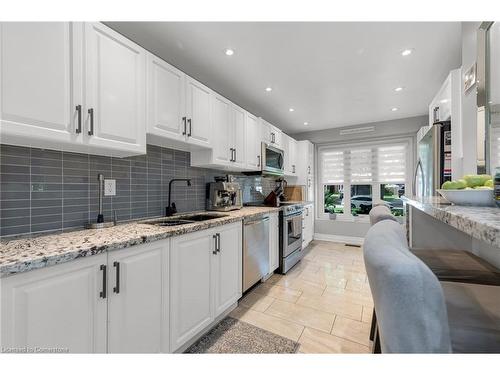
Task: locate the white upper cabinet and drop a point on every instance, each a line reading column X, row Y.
column 166, row 99
column 198, row 126
column 115, row 87
column 289, row 146
column 271, row 134
column 238, row 136
column 228, row 144
column 56, row 307
column 136, row 306
column 40, row 82
column 222, row 143
column 59, row 92
column 252, row 142
column 305, row 162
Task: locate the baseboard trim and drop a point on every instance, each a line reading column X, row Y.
column 337, row 238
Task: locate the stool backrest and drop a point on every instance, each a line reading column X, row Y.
column 408, row 298
column 379, row 213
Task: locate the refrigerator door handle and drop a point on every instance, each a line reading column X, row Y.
column 414, row 187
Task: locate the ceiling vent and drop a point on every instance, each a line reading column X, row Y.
column 366, row 129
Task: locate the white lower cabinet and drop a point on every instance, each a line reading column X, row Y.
column 190, row 286
column 148, row 298
column 136, row 309
column 59, row 307
column 205, row 279
column 307, row 225
column 273, row 241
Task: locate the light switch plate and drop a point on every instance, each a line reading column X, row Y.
column 109, row 187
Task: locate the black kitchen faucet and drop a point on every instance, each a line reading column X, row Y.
column 171, row 209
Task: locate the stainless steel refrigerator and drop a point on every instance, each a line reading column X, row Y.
column 433, row 160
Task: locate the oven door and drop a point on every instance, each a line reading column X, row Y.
column 292, row 233
column 272, row 160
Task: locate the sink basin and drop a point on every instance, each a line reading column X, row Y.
column 168, row 223
column 187, row 219
column 202, row 217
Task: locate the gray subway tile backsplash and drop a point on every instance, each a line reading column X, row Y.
column 45, row 190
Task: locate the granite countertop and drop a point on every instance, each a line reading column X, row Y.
column 482, row 223
column 25, row 254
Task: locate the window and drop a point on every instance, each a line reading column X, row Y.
column 353, row 178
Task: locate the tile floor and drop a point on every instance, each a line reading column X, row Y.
column 324, row 302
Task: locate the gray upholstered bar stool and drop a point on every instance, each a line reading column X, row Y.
column 379, row 213
column 413, row 313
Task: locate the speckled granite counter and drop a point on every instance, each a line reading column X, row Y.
column 482, row 223
column 21, row 255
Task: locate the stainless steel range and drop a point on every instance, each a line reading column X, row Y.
column 290, row 236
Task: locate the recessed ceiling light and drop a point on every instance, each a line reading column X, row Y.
column 306, row 123
column 229, row 52
column 398, row 89
column 394, row 109
column 406, row 52
column 291, row 109
column 269, row 89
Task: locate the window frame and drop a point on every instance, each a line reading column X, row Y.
column 407, row 141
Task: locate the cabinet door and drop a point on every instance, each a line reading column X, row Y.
column 165, row 99
column 56, row 307
column 115, row 91
column 238, row 135
column 191, row 293
column 310, row 158
column 222, row 142
column 253, row 142
column 198, row 113
column 266, row 131
column 40, row 82
column 273, row 242
column 278, row 136
column 228, row 267
column 135, row 298
column 292, row 151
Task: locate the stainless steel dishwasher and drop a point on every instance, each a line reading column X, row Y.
column 255, row 250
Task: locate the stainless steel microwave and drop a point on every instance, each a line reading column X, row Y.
column 272, row 160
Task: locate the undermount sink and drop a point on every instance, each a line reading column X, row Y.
column 202, row 217
column 187, row 219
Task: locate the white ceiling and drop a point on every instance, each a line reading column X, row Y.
column 333, row 74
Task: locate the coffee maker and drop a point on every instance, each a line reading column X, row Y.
column 223, row 195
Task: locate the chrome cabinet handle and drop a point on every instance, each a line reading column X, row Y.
column 258, row 161
column 184, row 122
column 190, row 127
column 218, row 242
column 91, row 114
column 293, row 168
column 234, row 158
column 309, row 169
column 102, row 294
column 79, row 117
column 116, row 288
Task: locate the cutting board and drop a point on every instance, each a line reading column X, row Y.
column 295, row 193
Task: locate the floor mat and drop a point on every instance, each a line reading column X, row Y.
column 234, row 336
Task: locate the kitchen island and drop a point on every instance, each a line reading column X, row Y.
column 434, row 223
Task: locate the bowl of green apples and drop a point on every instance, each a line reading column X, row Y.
column 470, row 190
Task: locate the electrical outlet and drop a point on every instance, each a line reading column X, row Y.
column 109, row 187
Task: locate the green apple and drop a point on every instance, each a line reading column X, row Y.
column 473, row 180
column 461, row 184
column 448, row 185
column 489, row 183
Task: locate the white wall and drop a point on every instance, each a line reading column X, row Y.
column 469, row 107
column 393, row 128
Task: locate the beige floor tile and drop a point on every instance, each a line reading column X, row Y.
column 274, row 278
column 269, row 323
column 358, row 297
column 301, row 315
column 358, row 285
column 367, row 314
column 332, row 304
column 302, row 285
column 256, row 301
column 352, row 330
column 314, row 341
column 278, row 292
